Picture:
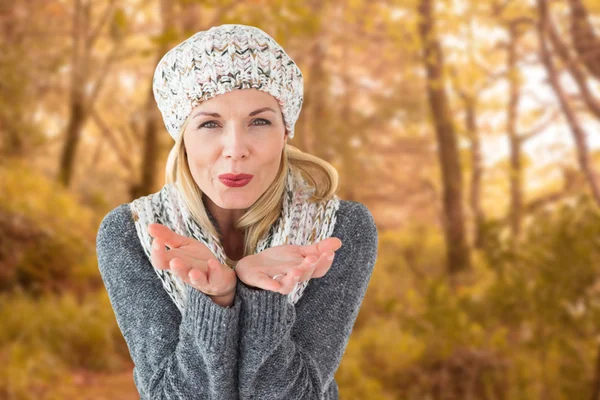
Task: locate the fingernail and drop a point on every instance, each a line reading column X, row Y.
column 155, row 245
column 330, row 256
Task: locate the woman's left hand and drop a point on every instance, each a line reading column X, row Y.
column 293, row 261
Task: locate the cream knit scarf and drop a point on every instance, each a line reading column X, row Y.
column 300, row 223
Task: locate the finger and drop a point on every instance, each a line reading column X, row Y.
column 219, row 278
column 198, row 278
column 289, row 281
column 170, row 238
column 307, row 268
column 266, row 282
column 188, row 258
column 183, row 267
column 179, row 268
column 329, row 244
column 158, row 255
column 304, row 270
column 214, row 271
column 323, row 264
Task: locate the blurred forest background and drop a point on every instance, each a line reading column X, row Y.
column 468, row 128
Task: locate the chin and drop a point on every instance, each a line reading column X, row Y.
column 236, row 202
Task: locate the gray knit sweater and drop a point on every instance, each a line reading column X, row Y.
column 260, row 347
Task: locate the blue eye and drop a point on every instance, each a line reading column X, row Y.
column 265, row 123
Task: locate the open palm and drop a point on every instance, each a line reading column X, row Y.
column 190, row 260
column 296, row 262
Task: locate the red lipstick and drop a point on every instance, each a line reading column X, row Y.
column 235, row 180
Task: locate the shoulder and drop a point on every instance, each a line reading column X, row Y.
column 355, row 221
column 117, row 239
column 122, row 260
column 356, row 228
column 116, row 225
column 355, row 216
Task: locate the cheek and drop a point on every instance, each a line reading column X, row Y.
column 269, row 156
column 199, row 161
column 199, row 149
column 272, row 148
column 272, row 162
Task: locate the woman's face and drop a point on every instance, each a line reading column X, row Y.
column 244, row 134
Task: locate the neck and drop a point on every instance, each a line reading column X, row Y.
column 225, row 219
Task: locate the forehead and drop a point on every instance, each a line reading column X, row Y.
column 240, row 99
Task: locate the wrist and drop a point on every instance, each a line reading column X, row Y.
column 238, row 268
column 224, row 300
column 220, row 296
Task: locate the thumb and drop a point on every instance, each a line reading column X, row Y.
column 170, row 238
column 214, row 272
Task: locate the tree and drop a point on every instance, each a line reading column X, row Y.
column 585, row 163
column 458, row 253
column 81, row 103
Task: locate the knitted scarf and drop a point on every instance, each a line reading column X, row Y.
column 300, row 223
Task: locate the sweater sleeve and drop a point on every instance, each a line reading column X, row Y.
column 292, row 352
column 189, row 355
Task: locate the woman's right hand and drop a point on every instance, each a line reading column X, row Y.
column 191, row 261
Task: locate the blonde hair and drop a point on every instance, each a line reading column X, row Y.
column 259, row 217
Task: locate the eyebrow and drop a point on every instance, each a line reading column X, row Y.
column 217, row 115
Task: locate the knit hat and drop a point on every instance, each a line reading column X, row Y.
column 221, row 59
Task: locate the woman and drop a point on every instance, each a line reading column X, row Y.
column 250, row 301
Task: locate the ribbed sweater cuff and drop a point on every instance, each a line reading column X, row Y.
column 212, row 325
column 265, row 313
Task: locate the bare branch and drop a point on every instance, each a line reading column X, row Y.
column 102, row 75
column 96, row 32
column 578, row 75
column 111, row 139
column 579, row 135
column 551, row 117
column 498, row 8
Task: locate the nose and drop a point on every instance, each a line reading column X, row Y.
column 234, row 143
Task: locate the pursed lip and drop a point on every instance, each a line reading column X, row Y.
column 235, row 177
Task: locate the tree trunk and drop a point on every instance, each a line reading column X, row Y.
column 516, row 168
column 458, row 257
column 577, row 131
column 80, row 103
column 151, row 143
column 574, row 65
column 318, row 103
column 584, row 39
column 76, row 103
column 76, row 121
column 150, row 154
column 476, row 172
column 350, row 170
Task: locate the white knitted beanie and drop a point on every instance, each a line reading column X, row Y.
column 222, row 59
